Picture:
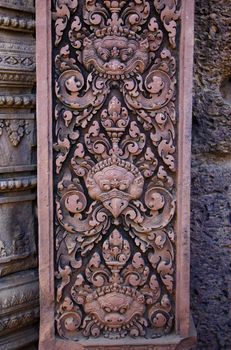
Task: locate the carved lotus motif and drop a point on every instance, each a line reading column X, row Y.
column 115, row 183
column 116, row 251
column 116, row 54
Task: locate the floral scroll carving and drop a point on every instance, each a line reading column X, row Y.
column 115, row 156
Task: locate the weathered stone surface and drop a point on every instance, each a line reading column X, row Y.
column 23, row 339
column 210, row 233
column 212, row 113
column 211, row 172
column 19, row 309
column 19, row 300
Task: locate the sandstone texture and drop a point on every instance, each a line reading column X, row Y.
column 211, row 173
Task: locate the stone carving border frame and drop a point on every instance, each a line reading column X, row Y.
column 184, row 336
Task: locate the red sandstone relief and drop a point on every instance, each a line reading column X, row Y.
column 114, row 130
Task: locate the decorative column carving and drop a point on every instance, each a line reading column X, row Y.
column 19, row 310
column 118, row 126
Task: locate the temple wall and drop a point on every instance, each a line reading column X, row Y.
column 211, row 173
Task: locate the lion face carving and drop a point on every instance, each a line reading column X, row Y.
column 116, row 55
column 115, row 309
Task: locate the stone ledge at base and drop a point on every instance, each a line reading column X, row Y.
column 170, row 342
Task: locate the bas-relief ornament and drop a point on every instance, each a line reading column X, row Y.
column 115, row 86
column 18, row 183
column 17, row 24
column 17, row 56
column 14, row 61
column 15, row 129
column 17, row 101
column 16, row 79
column 18, row 247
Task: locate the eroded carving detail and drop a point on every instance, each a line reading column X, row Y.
column 24, row 318
column 20, row 183
column 14, row 23
column 19, row 246
column 19, row 294
column 16, row 78
column 15, row 129
column 115, row 161
column 17, row 101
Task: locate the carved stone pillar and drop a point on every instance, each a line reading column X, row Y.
column 114, row 125
column 19, row 309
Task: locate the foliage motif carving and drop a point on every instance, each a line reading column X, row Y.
column 115, row 116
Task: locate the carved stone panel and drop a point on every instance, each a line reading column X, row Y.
column 115, row 116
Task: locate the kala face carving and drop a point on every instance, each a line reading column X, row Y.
column 115, row 184
column 113, row 55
